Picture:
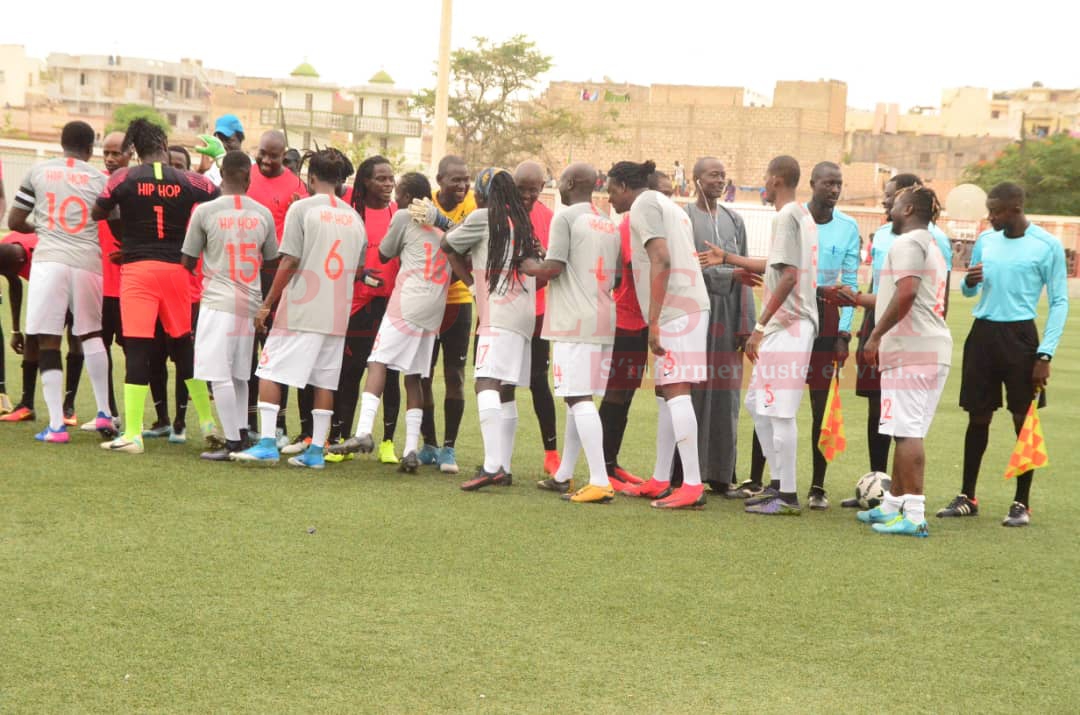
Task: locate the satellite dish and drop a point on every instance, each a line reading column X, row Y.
column 967, row 202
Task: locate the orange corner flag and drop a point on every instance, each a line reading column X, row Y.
column 832, row 442
column 1030, row 452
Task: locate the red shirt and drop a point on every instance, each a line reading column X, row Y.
column 541, row 216
column 28, row 241
column 110, row 272
column 376, row 223
column 276, row 194
column 627, row 311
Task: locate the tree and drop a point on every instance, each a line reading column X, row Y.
column 125, row 114
column 1047, row 169
column 492, row 120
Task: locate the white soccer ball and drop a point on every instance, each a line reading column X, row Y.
column 871, row 488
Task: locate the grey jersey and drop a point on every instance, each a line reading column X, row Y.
column 420, row 291
column 59, row 194
column 794, row 243
column 328, row 238
column 234, row 235
column 514, row 309
column 580, row 306
column 652, row 216
column 922, row 337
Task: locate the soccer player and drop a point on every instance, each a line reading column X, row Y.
column 782, row 339
column 373, row 199
column 496, row 237
column 454, row 202
column 671, row 285
column 406, row 335
column 228, row 136
column 581, row 263
column 155, row 203
column 529, row 179
column 321, row 249
column 234, row 236
column 67, row 276
column 912, row 347
column 1010, row 265
column 16, row 252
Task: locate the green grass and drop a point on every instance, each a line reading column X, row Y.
column 161, row 583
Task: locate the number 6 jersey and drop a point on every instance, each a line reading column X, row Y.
column 419, row 295
column 234, row 234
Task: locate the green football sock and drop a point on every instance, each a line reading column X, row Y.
column 134, row 403
column 200, row 397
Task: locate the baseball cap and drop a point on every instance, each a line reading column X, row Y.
column 228, row 125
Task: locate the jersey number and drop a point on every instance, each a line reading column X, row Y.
column 601, row 277
column 62, row 217
column 886, row 409
column 334, row 265
column 159, row 211
column 434, row 265
column 247, row 258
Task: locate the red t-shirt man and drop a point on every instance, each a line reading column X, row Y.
column 540, row 216
column 627, row 311
column 276, row 193
column 376, row 223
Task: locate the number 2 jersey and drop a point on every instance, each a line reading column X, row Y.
column 327, row 237
column 59, row 194
column 234, row 235
column 155, row 202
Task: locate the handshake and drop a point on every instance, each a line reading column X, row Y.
column 840, row 295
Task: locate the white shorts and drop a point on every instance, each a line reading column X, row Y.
column 909, row 398
column 503, row 355
column 223, row 345
column 580, row 369
column 56, row 288
column 686, row 360
column 778, row 381
column 404, row 347
column 298, row 359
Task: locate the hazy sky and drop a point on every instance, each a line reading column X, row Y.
column 902, row 52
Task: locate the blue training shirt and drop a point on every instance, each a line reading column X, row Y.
column 838, row 257
column 1014, row 273
column 883, row 240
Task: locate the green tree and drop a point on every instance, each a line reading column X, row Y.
column 493, row 121
column 125, row 114
column 1047, row 169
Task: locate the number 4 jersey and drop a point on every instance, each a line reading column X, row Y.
column 59, row 194
column 419, row 295
column 234, row 235
column 327, row 237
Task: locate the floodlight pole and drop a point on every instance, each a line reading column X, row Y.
column 442, row 89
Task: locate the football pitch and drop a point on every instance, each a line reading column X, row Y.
column 163, row 583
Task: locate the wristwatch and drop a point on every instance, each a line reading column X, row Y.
column 1042, row 356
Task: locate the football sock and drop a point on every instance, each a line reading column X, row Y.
column 200, row 397
column 74, row 366
column 591, row 435
column 369, row 405
column 509, row 431
column 786, row 443
column 305, row 400
column 29, row 383
column 818, row 401
column 97, row 367
column 685, row 429
column 877, row 444
column 52, row 386
column 763, row 436
column 610, row 414
column 975, row 441
column 915, row 507
column 891, row 504
column 320, row 426
column 391, row 404
column 1023, row 488
column 240, row 414
column 225, row 399
column 489, row 406
column 413, row 418
column 427, row 426
column 455, row 410
column 571, row 448
column 134, row 406
column 665, row 441
column 268, row 419
column 757, row 460
column 544, row 407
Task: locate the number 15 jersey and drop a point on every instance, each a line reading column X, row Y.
column 234, row 234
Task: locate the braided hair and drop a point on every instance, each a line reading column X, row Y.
column 328, row 164
column 146, row 137
column 510, row 231
column 631, row 174
column 365, row 172
column 924, row 201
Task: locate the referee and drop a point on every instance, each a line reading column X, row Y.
column 1010, row 264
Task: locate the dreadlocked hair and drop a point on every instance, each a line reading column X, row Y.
column 924, row 201
column 365, row 172
column 631, row 174
column 510, row 232
column 146, row 137
column 328, row 164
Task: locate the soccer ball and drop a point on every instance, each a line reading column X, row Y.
column 871, row 487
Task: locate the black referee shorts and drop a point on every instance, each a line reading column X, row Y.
column 995, row 355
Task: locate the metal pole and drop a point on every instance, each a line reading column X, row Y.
column 442, row 89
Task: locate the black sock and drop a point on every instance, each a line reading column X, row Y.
column 975, row 441
column 427, row 426
column 789, row 497
column 676, row 476
column 29, row 383
column 774, row 484
column 818, row 401
column 305, row 401
column 877, row 444
column 610, row 416
column 757, row 462
column 454, row 409
column 284, row 410
column 391, row 405
column 74, row 366
column 1023, row 488
column 544, row 407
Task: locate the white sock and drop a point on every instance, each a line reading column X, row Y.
column 665, row 442
column 785, row 444
column 225, row 400
column 891, row 504
column 52, row 389
column 509, row 431
column 268, row 419
column 240, row 389
column 489, row 405
column 96, row 361
column 915, row 507
column 684, row 426
column 571, row 449
column 320, row 426
column 413, row 418
column 369, row 405
column 591, row 434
